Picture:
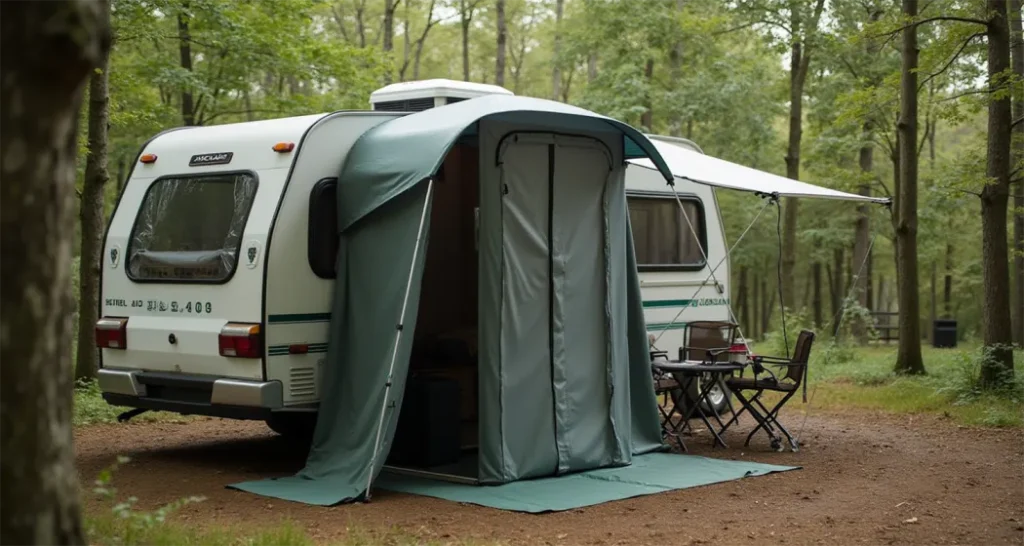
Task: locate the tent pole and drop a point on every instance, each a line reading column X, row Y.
column 398, row 334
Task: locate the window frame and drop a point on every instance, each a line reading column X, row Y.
column 702, row 229
column 241, row 238
column 314, row 193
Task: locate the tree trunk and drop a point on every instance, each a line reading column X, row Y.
column 388, row 44
column 1017, row 54
column 122, row 175
column 862, row 234
column 188, row 114
column 591, row 67
column 675, row 64
column 556, row 64
column 816, row 291
column 422, row 40
column 92, row 223
column 406, row 41
column 744, row 299
column 49, row 49
column 755, row 306
column 766, row 306
column 947, row 288
column 908, row 355
column 389, row 25
column 798, row 65
column 933, row 307
column 647, row 118
column 466, row 18
column 838, row 263
column 995, row 258
column 361, row 23
column 499, row 60
column 870, row 286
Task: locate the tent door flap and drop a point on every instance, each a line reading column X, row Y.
column 555, row 327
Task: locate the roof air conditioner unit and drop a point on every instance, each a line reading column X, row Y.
column 421, row 95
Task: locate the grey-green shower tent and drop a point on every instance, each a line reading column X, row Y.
column 564, row 370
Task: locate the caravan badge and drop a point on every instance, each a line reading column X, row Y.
column 202, row 160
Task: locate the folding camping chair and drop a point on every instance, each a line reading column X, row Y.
column 664, row 385
column 706, row 340
column 794, row 378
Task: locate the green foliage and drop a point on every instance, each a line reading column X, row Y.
column 90, row 408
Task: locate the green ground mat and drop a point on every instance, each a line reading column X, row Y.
column 650, row 473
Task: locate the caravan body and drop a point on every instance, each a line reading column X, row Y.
column 218, row 273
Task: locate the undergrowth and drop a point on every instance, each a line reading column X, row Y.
column 124, row 524
column 90, row 408
column 844, row 374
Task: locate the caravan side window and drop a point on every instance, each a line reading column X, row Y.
column 323, row 228
column 661, row 236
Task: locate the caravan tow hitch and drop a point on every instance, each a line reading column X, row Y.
column 130, row 413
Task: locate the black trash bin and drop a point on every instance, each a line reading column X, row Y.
column 944, row 333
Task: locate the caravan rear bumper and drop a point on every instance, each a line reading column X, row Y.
column 191, row 394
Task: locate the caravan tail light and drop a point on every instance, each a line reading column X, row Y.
column 112, row 333
column 284, row 147
column 148, row 158
column 241, row 340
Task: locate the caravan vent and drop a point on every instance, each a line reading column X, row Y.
column 411, row 105
column 303, row 382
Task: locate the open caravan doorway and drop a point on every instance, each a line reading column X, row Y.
column 437, row 428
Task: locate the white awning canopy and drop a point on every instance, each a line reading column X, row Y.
column 704, row 169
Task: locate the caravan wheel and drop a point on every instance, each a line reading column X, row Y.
column 718, row 397
column 293, row 425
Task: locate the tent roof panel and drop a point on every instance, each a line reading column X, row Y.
column 394, row 156
column 704, row 169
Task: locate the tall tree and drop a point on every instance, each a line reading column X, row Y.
column 800, row 27
column 188, row 113
column 502, row 32
column 1017, row 55
column 862, row 227
column 390, row 7
column 91, row 216
column 908, row 355
column 467, row 10
column 46, row 53
column 995, row 273
column 556, row 64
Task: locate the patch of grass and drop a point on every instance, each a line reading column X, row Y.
column 90, row 408
column 109, row 530
column 863, row 378
column 125, row 525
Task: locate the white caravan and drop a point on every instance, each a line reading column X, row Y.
column 218, row 269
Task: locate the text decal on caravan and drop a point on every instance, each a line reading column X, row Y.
column 219, row 158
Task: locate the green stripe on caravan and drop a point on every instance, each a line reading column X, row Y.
column 299, row 318
column 701, row 302
column 660, row 326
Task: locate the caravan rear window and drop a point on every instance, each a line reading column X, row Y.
column 661, row 236
column 189, row 229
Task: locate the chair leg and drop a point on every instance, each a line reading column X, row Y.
column 773, row 416
column 735, row 414
column 750, row 407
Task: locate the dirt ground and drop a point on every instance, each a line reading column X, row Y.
column 866, row 479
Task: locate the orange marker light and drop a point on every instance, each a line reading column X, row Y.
column 148, row 158
column 284, row 147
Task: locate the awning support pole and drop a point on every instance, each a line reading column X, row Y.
column 398, row 335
